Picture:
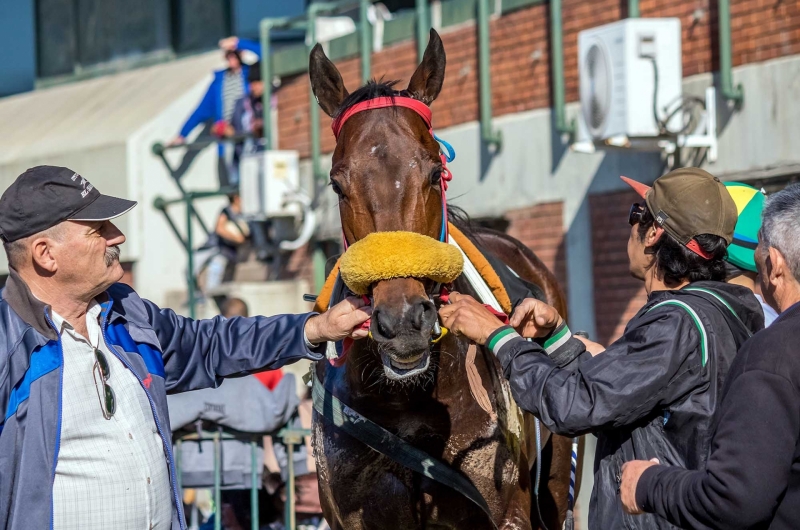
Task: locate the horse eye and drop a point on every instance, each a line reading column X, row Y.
column 436, row 176
column 336, row 189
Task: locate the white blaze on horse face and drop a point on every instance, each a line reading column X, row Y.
column 374, row 148
column 397, row 184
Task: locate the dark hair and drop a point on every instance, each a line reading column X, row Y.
column 237, row 53
column 254, row 72
column 235, row 307
column 679, row 264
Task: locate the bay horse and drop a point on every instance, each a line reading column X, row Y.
column 387, row 173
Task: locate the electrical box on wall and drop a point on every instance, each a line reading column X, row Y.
column 630, row 79
column 266, row 181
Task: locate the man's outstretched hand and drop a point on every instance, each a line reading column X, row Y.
column 340, row 321
column 533, row 318
column 466, row 316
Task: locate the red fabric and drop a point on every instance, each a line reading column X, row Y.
column 270, row 378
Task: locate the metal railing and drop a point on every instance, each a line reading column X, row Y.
column 290, row 437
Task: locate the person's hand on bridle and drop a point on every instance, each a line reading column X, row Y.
column 340, row 321
column 466, row 316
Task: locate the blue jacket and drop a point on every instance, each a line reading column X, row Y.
column 167, row 352
column 210, row 107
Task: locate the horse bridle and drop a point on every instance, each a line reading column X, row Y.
column 446, row 154
column 446, row 151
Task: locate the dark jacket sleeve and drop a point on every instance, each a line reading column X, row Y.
column 200, row 353
column 750, row 463
column 656, row 362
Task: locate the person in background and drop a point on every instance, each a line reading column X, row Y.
column 752, row 479
column 740, row 263
column 227, row 87
column 220, row 253
column 652, row 392
column 248, row 112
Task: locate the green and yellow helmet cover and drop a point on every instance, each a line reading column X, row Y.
column 749, row 203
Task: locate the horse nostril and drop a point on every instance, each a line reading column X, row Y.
column 386, row 328
column 423, row 315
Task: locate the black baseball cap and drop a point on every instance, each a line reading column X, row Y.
column 45, row 196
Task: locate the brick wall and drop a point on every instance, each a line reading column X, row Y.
column 520, row 57
column 617, row 295
column 540, row 228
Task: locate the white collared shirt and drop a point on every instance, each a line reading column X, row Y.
column 111, row 474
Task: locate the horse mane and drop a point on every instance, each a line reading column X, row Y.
column 373, row 89
column 461, row 220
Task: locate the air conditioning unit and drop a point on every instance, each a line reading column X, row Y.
column 268, row 181
column 623, row 67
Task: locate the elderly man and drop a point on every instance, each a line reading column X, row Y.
column 654, row 391
column 753, row 475
column 85, row 364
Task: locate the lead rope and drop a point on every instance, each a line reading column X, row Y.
column 569, row 522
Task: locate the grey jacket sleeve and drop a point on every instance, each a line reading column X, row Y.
column 654, row 363
column 200, row 353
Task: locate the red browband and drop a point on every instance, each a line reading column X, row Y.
column 381, row 103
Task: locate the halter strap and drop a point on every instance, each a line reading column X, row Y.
column 383, row 102
column 424, row 112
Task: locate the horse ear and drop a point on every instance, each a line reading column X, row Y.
column 427, row 80
column 326, row 81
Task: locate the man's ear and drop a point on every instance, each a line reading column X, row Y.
column 654, row 233
column 41, row 251
column 776, row 266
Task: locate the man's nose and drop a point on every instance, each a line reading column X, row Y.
column 114, row 235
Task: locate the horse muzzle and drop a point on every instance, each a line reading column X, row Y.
column 403, row 332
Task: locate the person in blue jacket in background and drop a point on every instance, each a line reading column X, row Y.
column 228, row 86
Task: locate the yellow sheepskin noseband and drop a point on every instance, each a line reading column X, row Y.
column 387, row 255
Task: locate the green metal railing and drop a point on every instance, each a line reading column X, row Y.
column 557, row 47
column 423, row 27
column 290, row 437
column 490, row 136
column 725, row 63
column 188, row 240
column 633, row 9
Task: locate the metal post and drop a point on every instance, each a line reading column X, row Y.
column 366, row 42
column 217, row 481
column 493, row 138
column 266, row 76
column 557, row 47
column 633, row 8
column 423, row 27
column 190, row 256
column 313, row 110
column 725, row 63
column 254, row 485
column 289, row 517
column 318, row 263
column 178, row 456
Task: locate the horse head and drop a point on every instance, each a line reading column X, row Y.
column 387, row 172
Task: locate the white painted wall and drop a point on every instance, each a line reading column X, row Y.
column 161, row 260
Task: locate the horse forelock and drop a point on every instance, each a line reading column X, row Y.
column 373, row 89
